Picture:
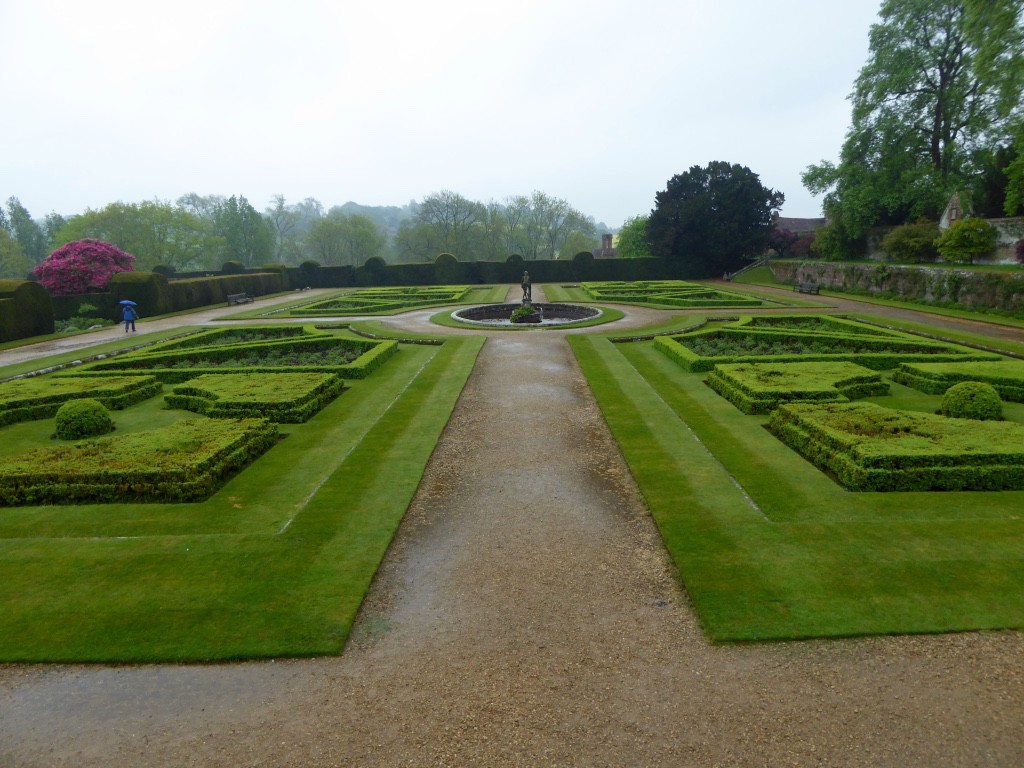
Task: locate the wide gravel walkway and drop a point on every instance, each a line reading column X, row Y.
column 527, row 614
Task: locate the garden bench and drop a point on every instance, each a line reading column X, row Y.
column 806, row 287
column 239, row 298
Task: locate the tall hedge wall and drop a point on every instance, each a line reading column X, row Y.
column 25, row 310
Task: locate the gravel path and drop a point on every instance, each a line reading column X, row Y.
column 527, row 614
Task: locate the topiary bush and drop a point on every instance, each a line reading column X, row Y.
column 972, row 400
column 84, row 417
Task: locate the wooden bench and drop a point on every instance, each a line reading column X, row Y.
column 806, row 287
column 239, row 298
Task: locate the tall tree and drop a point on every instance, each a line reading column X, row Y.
column 248, row 237
column 25, row 231
column 154, row 232
column 708, row 220
column 632, row 240
column 13, row 261
column 337, row 239
column 936, row 89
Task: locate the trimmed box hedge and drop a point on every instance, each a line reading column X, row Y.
column 174, row 367
column 280, row 397
column 184, row 462
column 672, row 293
column 870, row 448
column 380, row 300
column 1006, row 376
column 757, row 388
column 40, row 398
column 703, row 350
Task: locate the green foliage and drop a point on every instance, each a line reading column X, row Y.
column 156, row 233
column 762, row 387
column 184, row 462
column 25, row 310
column 666, row 293
column 81, row 418
column 708, row 220
column 871, row 448
column 835, row 242
column 912, row 242
column 967, row 239
column 337, row 239
column 40, row 398
column 972, row 400
column 631, row 242
column 1005, row 376
column 933, row 91
column 278, row 397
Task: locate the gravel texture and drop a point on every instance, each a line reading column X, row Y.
column 527, row 614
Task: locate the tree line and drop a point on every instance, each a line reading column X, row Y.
column 936, row 110
column 202, row 232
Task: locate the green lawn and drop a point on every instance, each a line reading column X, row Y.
column 769, row 547
column 276, row 563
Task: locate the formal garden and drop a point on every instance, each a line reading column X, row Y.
column 236, row 501
column 229, row 492
column 812, row 476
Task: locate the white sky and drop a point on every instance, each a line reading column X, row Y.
column 599, row 102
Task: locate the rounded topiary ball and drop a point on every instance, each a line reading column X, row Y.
column 83, row 418
column 972, row 400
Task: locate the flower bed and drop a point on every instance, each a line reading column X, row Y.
column 379, row 300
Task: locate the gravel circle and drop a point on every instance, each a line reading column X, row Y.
column 527, row 614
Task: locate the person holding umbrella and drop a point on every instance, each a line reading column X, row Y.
column 129, row 314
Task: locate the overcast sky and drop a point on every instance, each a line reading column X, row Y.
column 598, row 102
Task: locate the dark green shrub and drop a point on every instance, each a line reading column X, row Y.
column 912, row 242
column 164, row 269
column 232, row 268
column 84, row 417
column 25, row 310
column 967, row 239
column 972, row 400
column 150, row 291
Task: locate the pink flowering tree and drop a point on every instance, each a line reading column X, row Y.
column 82, row 266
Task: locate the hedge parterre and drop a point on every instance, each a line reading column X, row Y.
column 377, row 300
column 706, row 348
column 870, row 448
column 757, row 388
column 671, row 293
column 184, row 462
column 280, row 397
column 1006, row 376
column 40, row 398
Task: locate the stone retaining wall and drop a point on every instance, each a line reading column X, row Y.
column 970, row 289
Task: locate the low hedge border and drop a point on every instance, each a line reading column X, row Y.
column 834, row 381
column 138, row 466
column 42, row 398
column 906, row 451
column 212, row 396
column 373, row 355
column 1006, row 376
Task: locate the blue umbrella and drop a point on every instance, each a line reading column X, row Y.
column 129, row 302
